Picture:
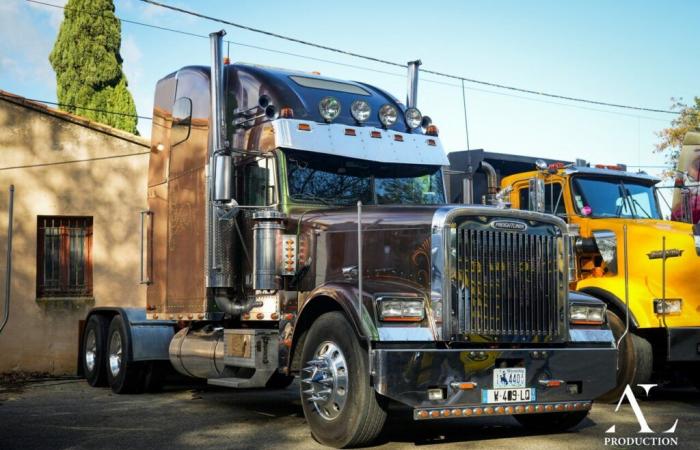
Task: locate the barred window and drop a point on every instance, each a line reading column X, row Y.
column 64, row 256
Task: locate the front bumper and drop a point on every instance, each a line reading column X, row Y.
column 405, row 375
column 683, row 344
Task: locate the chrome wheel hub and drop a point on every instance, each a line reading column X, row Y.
column 90, row 350
column 324, row 383
column 115, row 354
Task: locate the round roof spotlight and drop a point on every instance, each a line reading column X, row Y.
column 329, row 107
column 388, row 115
column 360, row 110
column 426, row 121
column 264, row 101
column 413, row 118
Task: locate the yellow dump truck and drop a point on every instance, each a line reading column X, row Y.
column 626, row 253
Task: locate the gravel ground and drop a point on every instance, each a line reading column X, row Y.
column 67, row 413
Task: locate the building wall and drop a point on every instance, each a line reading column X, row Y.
column 64, row 165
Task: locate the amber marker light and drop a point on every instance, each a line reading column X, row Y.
column 464, row 386
column 304, row 127
column 432, row 130
column 376, row 134
column 350, row 132
column 398, row 138
column 432, row 143
column 286, row 112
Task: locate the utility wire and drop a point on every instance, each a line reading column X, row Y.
column 395, row 64
column 106, row 111
column 355, row 66
column 58, row 163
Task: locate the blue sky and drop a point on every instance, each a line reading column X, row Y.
column 631, row 52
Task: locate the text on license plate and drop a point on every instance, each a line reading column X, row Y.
column 519, row 395
column 509, row 378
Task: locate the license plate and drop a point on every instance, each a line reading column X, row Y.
column 509, row 378
column 520, row 395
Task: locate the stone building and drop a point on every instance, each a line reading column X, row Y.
column 79, row 188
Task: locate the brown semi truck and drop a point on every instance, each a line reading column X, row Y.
column 297, row 225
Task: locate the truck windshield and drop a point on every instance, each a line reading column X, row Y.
column 334, row 180
column 614, row 197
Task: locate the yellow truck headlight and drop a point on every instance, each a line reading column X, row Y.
column 400, row 309
column 668, row 306
column 587, row 314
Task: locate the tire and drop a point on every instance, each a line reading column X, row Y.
column 93, row 351
column 634, row 360
column 124, row 376
column 279, row 381
column 551, row 422
column 353, row 414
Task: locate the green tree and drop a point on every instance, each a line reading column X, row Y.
column 672, row 137
column 88, row 65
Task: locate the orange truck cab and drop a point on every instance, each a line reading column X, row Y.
column 626, row 253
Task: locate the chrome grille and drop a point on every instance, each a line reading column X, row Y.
column 508, row 283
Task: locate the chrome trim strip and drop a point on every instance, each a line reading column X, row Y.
column 405, row 334
column 578, row 335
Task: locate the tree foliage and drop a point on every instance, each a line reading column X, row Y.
column 88, row 65
column 688, row 119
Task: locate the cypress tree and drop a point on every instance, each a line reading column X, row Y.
column 88, row 65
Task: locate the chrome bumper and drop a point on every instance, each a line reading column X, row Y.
column 405, row 375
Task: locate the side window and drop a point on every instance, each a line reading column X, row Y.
column 553, row 199
column 182, row 121
column 260, row 186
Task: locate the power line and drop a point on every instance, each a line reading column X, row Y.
column 58, row 163
column 106, row 111
column 355, row 66
column 395, row 64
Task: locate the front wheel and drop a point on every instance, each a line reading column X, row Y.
column 634, row 359
column 551, row 422
column 340, row 405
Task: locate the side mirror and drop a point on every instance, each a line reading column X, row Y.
column 536, row 195
column 182, row 121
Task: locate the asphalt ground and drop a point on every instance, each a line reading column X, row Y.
column 69, row 414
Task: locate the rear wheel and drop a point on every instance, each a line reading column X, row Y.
column 124, row 376
column 94, row 349
column 551, row 422
column 340, row 405
column 634, row 359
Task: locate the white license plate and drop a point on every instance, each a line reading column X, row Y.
column 519, row 395
column 513, row 377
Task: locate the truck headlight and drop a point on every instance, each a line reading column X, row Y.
column 400, row 309
column 360, row 110
column 587, row 314
column 413, row 118
column 388, row 115
column 329, row 107
column 668, row 306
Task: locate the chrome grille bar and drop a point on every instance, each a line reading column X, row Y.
column 508, row 283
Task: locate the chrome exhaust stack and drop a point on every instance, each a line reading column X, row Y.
column 412, row 95
column 221, row 207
